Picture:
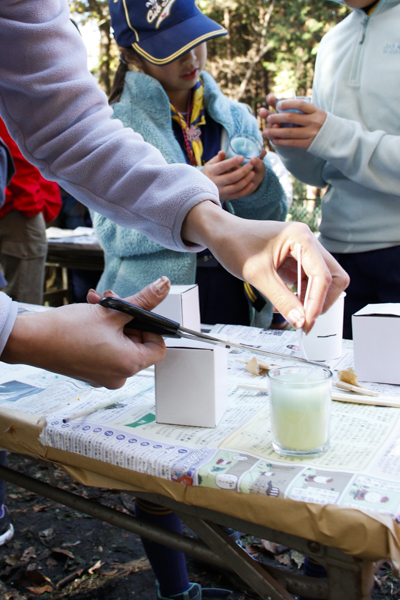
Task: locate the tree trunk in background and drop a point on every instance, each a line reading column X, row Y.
column 227, row 23
column 271, row 44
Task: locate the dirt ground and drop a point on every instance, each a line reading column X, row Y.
column 60, row 553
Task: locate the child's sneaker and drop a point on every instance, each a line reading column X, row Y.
column 196, row 592
column 6, row 527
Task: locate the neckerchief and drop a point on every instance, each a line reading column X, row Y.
column 191, row 125
column 370, row 9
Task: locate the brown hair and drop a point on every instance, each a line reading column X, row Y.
column 119, row 78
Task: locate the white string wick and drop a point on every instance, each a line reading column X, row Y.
column 299, row 271
column 301, row 331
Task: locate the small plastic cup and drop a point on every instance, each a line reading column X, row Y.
column 278, row 100
column 300, row 401
column 243, row 144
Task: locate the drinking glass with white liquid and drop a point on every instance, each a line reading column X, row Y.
column 243, row 144
column 300, row 401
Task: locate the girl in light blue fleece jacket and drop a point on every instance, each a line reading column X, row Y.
column 349, row 140
column 148, row 105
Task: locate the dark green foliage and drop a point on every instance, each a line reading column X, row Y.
column 272, row 44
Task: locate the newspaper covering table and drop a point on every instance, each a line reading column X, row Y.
column 360, row 470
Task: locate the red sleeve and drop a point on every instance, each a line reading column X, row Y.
column 28, row 191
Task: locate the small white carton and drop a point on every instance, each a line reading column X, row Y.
column 192, row 384
column 376, row 340
column 182, row 305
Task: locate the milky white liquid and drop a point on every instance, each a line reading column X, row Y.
column 300, row 411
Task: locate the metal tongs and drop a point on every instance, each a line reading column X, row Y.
column 145, row 320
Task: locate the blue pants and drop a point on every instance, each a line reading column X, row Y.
column 375, row 279
column 221, row 296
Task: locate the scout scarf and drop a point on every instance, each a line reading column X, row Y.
column 190, row 126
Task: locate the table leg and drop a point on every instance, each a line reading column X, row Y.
column 239, row 561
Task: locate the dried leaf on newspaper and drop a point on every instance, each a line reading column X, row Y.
column 348, row 376
column 257, row 367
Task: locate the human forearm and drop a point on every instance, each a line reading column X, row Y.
column 303, row 166
column 264, row 254
column 369, row 158
column 87, row 341
column 52, row 340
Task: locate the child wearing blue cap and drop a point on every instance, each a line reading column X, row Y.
column 179, row 109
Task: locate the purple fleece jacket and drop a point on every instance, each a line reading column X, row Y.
column 62, row 123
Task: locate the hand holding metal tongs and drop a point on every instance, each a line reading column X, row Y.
column 145, row 320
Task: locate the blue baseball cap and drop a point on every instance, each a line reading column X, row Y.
column 161, row 30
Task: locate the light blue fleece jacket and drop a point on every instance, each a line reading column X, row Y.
column 357, row 151
column 131, row 259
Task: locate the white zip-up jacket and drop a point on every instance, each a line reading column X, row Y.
column 357, row 151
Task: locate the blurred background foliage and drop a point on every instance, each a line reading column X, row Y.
column 270, row 47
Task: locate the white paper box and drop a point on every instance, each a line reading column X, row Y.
column 376, row 339
column 182, row 305
column 192, row 385
column 324, row 342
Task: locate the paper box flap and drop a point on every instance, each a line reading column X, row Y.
column 181, row 289
column 388, row 309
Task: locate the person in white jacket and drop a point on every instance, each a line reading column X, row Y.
column 349, row 140
column 61, row 121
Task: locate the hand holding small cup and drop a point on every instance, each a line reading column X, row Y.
column 243, row 144
column 280, row 109
column 239, row 171
column 297, row 129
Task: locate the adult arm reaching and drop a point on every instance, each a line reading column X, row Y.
column 86, row 341
column 61, row 121
column 264, row 253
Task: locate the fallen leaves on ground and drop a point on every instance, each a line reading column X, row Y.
column 96, row 566
column 40, row 590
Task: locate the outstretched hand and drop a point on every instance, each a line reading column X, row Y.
column 308, row 122
column 264, row 254
column 233, row 179
column 89, row 342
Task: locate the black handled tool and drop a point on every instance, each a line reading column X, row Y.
column 144, row 320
